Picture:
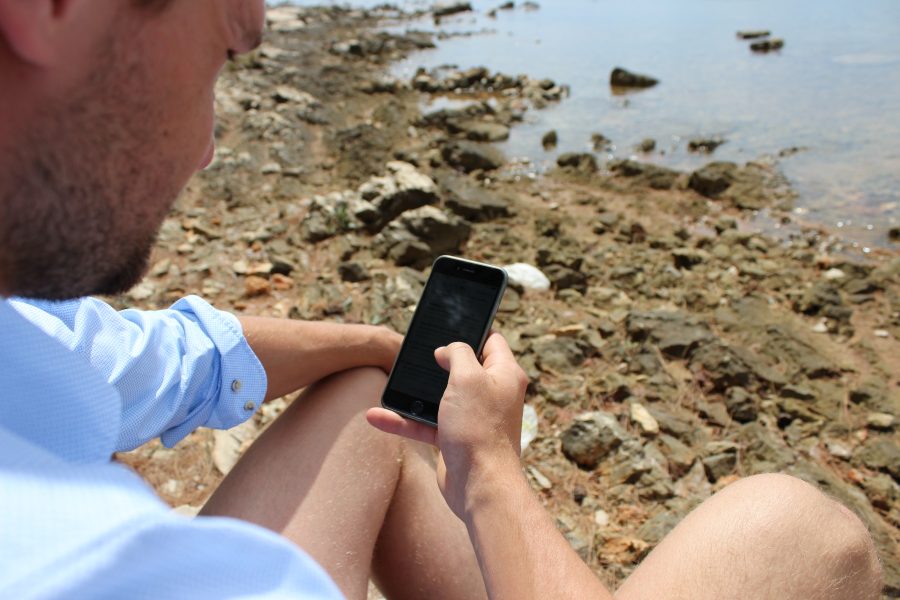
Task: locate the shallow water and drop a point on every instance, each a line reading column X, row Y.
column 833, row 91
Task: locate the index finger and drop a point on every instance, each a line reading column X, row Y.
column 497, row 353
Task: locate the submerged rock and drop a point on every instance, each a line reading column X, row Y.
column 623, row 78
column 767, row 45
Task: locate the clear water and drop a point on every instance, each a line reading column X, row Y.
column 833, row 90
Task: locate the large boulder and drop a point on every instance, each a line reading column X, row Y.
column 470, row 156
column 713, row 179
column 419, row 236
column 403, row 188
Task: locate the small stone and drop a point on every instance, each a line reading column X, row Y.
column 882, row 333
column 282, row 282
column 256, row 286
column 820, row 327
column 833, row 274
column 591, row 438
column 647, row 145
column 881, row 421
column 540, row 478
column 623, row 78
column 270, row 168
column 353, row 272
column 839, row 450
column 550, row 139
column 642, row 417
column 601, row 518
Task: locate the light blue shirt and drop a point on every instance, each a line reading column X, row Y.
column 80, row 381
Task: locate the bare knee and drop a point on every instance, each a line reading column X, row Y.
column 788, row 509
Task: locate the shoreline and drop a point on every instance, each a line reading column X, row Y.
column 331, row 192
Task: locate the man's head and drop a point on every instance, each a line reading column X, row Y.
column 107, row 110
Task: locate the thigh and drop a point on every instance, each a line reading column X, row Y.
column 767, row 536
column 321, row 476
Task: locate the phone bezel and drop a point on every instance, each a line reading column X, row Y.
column 457, row 267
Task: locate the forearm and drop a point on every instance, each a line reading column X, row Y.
column 297, row 353
column 521, row 553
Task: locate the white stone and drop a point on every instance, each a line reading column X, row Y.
column 228, row 445
column 882, row 333
column 832, row 274
column 528, row 276
column 601, row 518
column 540, row 478
column 820, row 327
column 641, row 416
column 529, row 426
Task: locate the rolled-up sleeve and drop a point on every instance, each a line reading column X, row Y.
column 175, row 370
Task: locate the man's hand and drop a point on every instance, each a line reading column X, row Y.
column 480, row 418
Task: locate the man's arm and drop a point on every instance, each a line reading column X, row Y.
column 520, row 551
column 298, row 353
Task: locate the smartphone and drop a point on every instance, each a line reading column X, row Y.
column 458, row 304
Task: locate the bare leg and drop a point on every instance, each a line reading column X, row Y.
column 768, row 536
column 325, row 479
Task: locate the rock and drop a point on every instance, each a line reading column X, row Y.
column 704, row 145
column 644, row 419
column 591, row 438
column 256, row 286
column 713, row 179
column 880, row 421
column 580, row 161
column 740, row 405
column 600, row 142
column 720, row 461
column 688, row 258
column 565, row 278
column 403, row 188
column 469, row 156
column 679, row 456
column 623, row 78
column 601, row 518
column 880, row 454
column 654, row 176
column 727, row 366
column 527, row 276
column 444, row 9
column 767, row 45
column 483, row 131
column 881, row 490
column 353, row 272
column 676, row 334
column 558, row 353
column 419, row 236
column 550, row 140
column 753, row 34
column 229, row 444
column 763, row 450
column 647, row 145
column 894, row 234
column 657, row 527
column 471, row 201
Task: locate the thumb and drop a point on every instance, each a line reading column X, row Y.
column 456, row 356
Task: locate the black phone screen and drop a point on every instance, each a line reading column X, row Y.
column 453, row 308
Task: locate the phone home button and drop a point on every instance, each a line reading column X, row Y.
column 417, row 407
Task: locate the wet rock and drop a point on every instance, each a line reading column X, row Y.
column 752, row 34
column 767, row 45
column 471, row 201
column 550, row 140
column 600, row 142
column 676, row 334
column 880, row 454
column 419, row 236
column 591, row 438
column 580, row 161
column 740, row 404
column 713, row 179
column 647, row 145
column 623, row 78
column 353, row 272
column 469, row 156
column 704, row 145
column 444, row 9
column 653, row 176
column 483, row 131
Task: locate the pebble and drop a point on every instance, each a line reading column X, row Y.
column 880, row 420
column 529, row 426
column 839, row 450
column 601, row 518
column 641, row 416
column 882, row 333
column 832, row 274
column 820, row 327
column 540, row 478
column 528, row 276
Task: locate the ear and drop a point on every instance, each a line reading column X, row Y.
column 31, row 28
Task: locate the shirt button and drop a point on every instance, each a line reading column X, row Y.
column 250, row 406
column 236, row 385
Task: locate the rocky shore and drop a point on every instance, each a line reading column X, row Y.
column 675, row 351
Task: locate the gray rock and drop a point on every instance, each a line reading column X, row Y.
column 353, row 272
column 483, row 131
column 647, row 145
column 767, row 45
column 623, row 78
column 753, row 34
column 558, row 353
column 471, row 201
column 591, row 438
column 719, row 465
column 564, row 278
column 704, row 145
column 550, row 140
column 580, row 161
column 654, row 176
column 688, row 258
column 403, row 188
column 676, row 334
column 880, row 454
column 731, row 366
column 763, row 450
column 740, row 405
column 713, row 179
column 444, row 9
column 419, row 236
column 679, row 456
column 470, row 156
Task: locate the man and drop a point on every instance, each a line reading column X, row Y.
column 107, row 110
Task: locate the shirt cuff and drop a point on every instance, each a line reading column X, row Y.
column 242, row 378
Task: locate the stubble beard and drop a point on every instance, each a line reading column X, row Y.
column 82, row 196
